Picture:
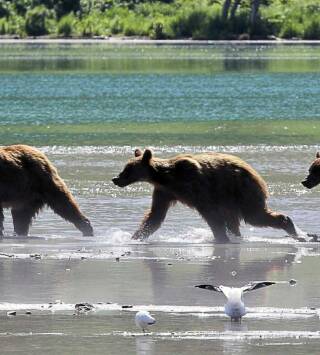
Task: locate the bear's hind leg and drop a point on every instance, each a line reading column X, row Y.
column 233, row 225
column 219, row 232
column 268, row 218
column 217, row 225
column 22, row 218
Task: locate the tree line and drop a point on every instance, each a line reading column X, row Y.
column 162, row 19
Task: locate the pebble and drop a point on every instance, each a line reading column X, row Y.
column 292, row 282
column 11, row 313
column 84, row 307
column 35, row 256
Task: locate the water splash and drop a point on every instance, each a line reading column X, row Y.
column 191, row 236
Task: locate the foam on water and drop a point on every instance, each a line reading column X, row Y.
column 116, row 236
column 301, row 233
column 192, row 236
column 230, row 335
column 197, row 311
column 127, row 150
column 27, row 334
column 240, row 336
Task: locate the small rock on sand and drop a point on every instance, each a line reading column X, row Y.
column 11, row 313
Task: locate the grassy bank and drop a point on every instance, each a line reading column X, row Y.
column 162, row 19
column 288, row 132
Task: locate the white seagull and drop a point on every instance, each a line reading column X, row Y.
column 234, row 308
column 143, row 319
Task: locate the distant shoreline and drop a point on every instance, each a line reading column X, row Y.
column 140, row 41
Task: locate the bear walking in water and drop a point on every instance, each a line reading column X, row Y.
column 28, row 182
column 222, row 188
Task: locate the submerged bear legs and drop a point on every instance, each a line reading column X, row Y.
column 233, row 225
column 269, row 218
column 150, row 223
column 217, row 224
column 161, row 201
column 233, row 229
column 22, row 217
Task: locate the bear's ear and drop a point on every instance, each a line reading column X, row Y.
column 318, row 155
column 137, row 153
column 147, row 155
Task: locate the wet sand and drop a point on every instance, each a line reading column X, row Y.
column 159, row 279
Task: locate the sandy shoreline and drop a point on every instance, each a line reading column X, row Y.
column 132, row 41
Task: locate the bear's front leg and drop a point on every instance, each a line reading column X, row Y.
column 21, row 221
column 22, row 217
column 161, row 201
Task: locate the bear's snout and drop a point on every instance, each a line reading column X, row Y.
column 309, row 183
column 119, row 182
column 305, row 184
column 115, row 180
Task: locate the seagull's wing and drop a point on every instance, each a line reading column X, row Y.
column 144, row 317
column 255, row 285
column 210, row 287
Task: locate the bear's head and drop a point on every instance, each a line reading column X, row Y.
column 137, row 169
column 313, row 179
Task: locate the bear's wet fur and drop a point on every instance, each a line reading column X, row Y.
column 221, row 187
column 313, row 178
column 28, row 182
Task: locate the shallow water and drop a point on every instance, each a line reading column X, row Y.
column 160, row 275
column 88, row 108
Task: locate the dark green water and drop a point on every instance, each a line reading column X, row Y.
column 110, row 94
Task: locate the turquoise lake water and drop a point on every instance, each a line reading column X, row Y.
column 115, row 89
column 96, row 98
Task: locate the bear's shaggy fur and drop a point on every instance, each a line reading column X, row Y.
column 28, row 181
column 313, row 178
column 222, row 188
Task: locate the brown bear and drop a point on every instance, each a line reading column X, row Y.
column 28, row 182
column 222, row 188
column 313, row 178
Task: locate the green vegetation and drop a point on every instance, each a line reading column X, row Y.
column 162, row 19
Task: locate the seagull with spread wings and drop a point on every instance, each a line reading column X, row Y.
column 235, row 308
